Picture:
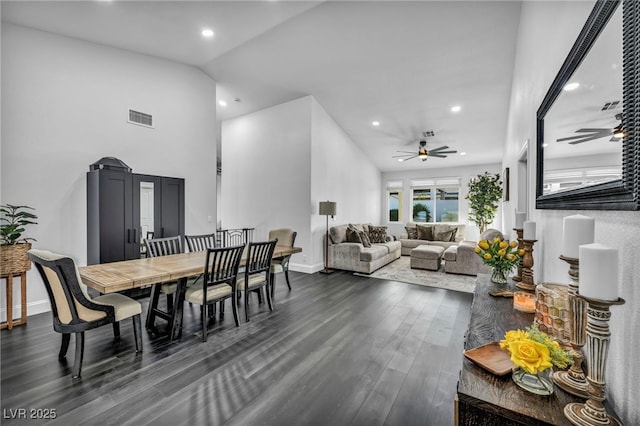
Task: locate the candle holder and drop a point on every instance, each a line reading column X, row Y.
column 518, row 275
column 524, row 301
column 526, row 281
column 593, row 412
column 574, row 380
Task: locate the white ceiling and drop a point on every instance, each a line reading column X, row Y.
column 401, row 63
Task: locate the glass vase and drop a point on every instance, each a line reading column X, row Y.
column 499, row 276
column 538, row 384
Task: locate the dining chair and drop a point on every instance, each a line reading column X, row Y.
column 218, row 284
column 200, row 242
column 257, row 273
column 285, row 237
column 74, row 311
column 162, row 247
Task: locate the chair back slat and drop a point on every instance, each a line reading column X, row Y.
column 222, row 265
column 200, row 242
column 260, row 255
column 163, row 246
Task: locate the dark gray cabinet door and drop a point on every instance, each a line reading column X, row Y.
column 111, row 233
column 172, row 210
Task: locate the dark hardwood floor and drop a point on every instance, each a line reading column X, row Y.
column 337, row 350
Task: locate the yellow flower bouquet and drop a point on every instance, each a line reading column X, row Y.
column 501, row 255
column 534, row 352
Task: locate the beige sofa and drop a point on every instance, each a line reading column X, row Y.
column 408, row 244
column 354, row 256
column 462, row 259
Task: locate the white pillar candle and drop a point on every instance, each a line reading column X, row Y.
column 520, row 217
column 598, row 272
column 576, row 231
column 529, row 230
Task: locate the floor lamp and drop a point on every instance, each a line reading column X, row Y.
column 327, row 208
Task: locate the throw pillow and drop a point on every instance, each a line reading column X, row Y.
column 353, row 236
column 425, row 232
column 356, row 226
column 446, row 235
column 454, row 234
column 440, row 228
column 412, row 232
column 365, row 238
column 378, row 234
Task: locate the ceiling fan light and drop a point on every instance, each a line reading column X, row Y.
column 422, row 153
column 618, row 131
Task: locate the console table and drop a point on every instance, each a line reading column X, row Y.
column 486, row 399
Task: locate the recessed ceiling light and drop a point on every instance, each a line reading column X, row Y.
column 375, row 123
column 456, row 108
column 207, row 32
column 571, row 86
column 463, row 153
column 544, row 145
column 222, row 103
column 401, row 159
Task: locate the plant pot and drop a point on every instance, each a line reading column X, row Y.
column 14, row 259
column 499, row 276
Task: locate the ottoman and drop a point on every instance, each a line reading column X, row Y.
column 426, row 257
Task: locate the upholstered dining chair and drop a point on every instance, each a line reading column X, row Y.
column 257, row 273
column 218, row 284
column 161, row 247
column 74, row 311
column 285, row 237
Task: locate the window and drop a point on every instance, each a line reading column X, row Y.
column 435, row 200
column 394, row 201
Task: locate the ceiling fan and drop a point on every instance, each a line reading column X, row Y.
column 423, row 153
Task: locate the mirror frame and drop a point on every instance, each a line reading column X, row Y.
column 621, row 194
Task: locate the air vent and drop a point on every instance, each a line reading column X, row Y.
column 140, row 118
column 428, row 133
column 610, row 105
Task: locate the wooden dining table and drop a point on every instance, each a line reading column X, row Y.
column 129, row 274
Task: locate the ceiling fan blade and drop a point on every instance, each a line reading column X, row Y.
column 440, row 148
column 409, row 158
column 408, row 152
column 439, row 155
column 442, row 152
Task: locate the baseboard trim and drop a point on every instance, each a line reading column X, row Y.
column 33, row 308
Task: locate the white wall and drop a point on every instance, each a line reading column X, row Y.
column 65, row 105
column 340, row 172
column 265, row 172
column 464, row 173
column 278, row 163
column 541, row 50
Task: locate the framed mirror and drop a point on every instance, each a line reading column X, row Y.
column 587, row 143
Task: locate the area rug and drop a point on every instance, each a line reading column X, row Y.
column 399, row 270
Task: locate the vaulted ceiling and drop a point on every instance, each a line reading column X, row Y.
column 402, row 64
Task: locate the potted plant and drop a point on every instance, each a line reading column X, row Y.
column 13, row 247
column 485, row 191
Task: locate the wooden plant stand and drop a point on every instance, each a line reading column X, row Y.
column 9, row 293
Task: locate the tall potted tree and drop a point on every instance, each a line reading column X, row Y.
column 485, row 191
column 13, row 247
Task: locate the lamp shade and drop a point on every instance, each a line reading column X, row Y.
column 327, row 208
